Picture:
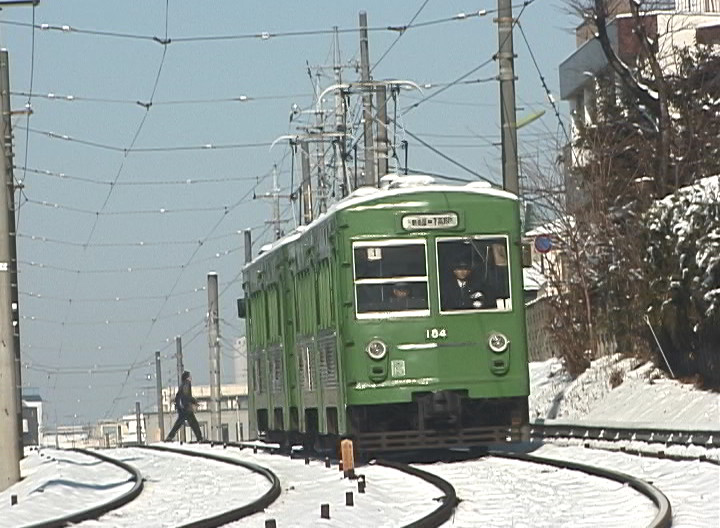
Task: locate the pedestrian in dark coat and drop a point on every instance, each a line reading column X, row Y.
column 185, row 406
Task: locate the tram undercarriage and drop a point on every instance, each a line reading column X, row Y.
column 439, row 420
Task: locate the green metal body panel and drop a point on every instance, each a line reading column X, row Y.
column 321, row 343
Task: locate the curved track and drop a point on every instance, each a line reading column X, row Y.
column 449, row 501
column 97, row 511
column 234, row 514
column 432, row 520
column 237, row 513
column 663, row 519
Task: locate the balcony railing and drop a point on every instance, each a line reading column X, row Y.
column 699, row 7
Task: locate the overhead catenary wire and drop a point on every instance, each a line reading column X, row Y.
column 28, row 104
column 548, row 93
column 259, row 35
column 243, row 98
column 469, row 73
column 139, row 243
column 189, row 260
column 143, row 183
column 118, row 183
column 132, row 149
column 133, row 298
column 120, row 169
column 130, row 269
column 400, row 35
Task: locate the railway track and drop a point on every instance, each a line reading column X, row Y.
column 610, row 437
column 115, row 506
column 98, row 511
column 448, row 500
column 662, row 517
column 702, row 438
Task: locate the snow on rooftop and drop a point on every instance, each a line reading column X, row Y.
column 395, row 185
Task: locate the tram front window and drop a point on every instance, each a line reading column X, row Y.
column 391, row 278
column 474, row 274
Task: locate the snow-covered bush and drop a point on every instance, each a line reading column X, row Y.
column 683, row 260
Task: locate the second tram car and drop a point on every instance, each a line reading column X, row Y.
column 396, row 319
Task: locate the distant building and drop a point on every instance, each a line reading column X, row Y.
column 32, row 414
column 672, row 24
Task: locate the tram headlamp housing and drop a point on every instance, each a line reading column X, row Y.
column 376, row 349
column 498, row 343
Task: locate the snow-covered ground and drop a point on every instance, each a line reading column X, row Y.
column 495, row 492
column 645, row 397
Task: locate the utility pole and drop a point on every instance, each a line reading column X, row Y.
column 320, row 158
column 367, row 104
column 180, row 370
column 214, row 342
column 10, row 402
column 8, row 158
column 382, row 131
column 340, row 143
column 138, row 423
column 306, row 186
column 8, row 257
column 506, row 61
column 276, row 204
column 248, row 245
column 158, row 383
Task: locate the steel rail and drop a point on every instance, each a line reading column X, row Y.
column 449, row 501
column 663, row 518
column 96, row 512
column 668, row 436
column 235, row 514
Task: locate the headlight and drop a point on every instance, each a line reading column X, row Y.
column 376, row 349
column 498, row 343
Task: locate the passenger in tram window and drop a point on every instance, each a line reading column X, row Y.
column 402, row 298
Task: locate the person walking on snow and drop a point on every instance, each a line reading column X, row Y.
column 184, row 403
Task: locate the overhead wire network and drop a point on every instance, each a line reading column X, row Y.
column 120, row 168
column 117, row 182
column 261, row 35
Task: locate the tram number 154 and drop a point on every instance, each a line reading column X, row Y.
column 435, row 333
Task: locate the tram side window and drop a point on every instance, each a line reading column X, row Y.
column 474, row 274
column 391, row 278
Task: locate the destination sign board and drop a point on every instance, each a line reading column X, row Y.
column 429, row 221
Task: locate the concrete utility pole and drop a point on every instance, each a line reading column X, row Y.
column 320, row 160
column 247, row 234
column 10, row 402
column 277, row 221
column 8, row 157
column 306, row 187
column 340, row 143
column 214, row 342
column 158, row 383
column 506, row 61
column 370, row 178
column 138, row 423
column 180, row 370
column 382, row 131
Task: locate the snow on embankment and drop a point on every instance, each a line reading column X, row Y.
column 643, row 398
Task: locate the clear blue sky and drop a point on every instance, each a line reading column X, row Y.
column 79, row 236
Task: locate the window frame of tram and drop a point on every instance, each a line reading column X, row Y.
column 479, row 293
column 382, row 291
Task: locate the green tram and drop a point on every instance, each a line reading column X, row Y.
column 395, row 319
